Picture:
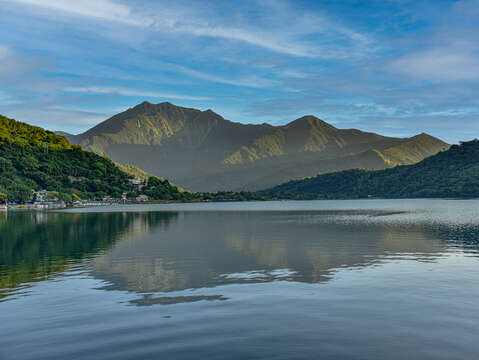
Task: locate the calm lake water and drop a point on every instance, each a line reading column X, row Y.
column 366, row 279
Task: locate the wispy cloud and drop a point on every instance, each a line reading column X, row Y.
column 450, row 63
column 97, row 9
column 249, row 81
column 132, row 92
column 250, row 36
column 13, row 64
column 447, row 50
column 285, row 32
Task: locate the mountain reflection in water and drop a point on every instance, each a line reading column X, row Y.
column 160, row 252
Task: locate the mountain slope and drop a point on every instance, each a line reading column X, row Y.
column 168, row 125
column 307, row 134
column 452, row 173
column 34, row 159
column 202, row 151
column 133, row 171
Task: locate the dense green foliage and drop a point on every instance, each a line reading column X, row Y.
column 452, row 173
column 34, row 159
column 21, row 134
column 156, row 188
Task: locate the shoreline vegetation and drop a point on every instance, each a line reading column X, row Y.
column 40, row 169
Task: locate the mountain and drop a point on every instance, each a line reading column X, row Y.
column 451, row 173
column 202, row 151
column 33, row 159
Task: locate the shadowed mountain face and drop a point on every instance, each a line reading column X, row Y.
column 201, row 151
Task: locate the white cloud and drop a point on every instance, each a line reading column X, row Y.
column 439, row 64
column 132, row 92
column 100, row 9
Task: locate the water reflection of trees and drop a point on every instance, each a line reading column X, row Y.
column 35, row 245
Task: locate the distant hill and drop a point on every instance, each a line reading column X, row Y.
column 452, row 173
column 33, row 159
column 201, row 151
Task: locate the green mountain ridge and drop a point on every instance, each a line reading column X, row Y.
column 451, row 173
column 201, row 151
column 34, row 159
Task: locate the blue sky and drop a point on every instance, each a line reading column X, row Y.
column 395, row 67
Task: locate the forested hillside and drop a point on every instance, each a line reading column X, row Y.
column 33, row 159
column 452, row 173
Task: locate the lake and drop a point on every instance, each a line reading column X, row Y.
column 364, row 279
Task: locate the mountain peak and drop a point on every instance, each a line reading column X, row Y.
column 146, row 105
column 426, row 138
column 137, row 109
column 310, row 121
column 422, row 135
column 211, row 113
column 167, row 104
column 308, row 117
column 142, row 105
